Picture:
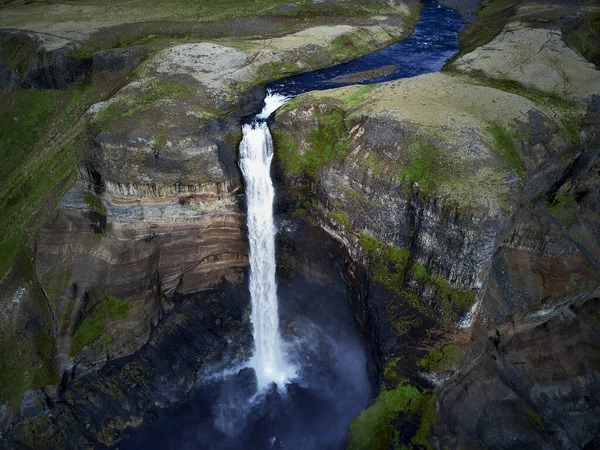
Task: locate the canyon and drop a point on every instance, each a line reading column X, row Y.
column 453, row 218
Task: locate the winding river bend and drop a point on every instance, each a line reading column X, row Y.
column 307, row 381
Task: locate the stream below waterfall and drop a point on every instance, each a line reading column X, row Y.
column 307, row 378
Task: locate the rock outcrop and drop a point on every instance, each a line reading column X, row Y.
column 478, row 179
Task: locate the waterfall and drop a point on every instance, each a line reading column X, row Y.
column 256, row 153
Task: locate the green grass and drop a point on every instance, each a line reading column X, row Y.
column 504, row 145
column 563, row 208
column 27, row 190
column 357, row 96
column 566, row 110
column 373, row 428
column 27, row 346
column 441, row 359
column 492, row 17
column 328, row 143
column 535, row 417
column 426, row 166
column 342, row 218
column 372, row 163
column 65, row 316
column 390, row 266
column 152, row 94
column 94, row 203
column 586, row 38
column 93, row 327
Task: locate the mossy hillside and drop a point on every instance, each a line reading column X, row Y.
column 15, row 50
column 38, row 432
column 40, row 144
column 152, row 93
column 393, row 268
column 492, row 17
column 45, row 178
column 27, row 346
column 568, row 112
column 373, row 429
column 564, row 208
column 586, row 38
column 441, row 359
column 93, row 328
column 183, row 21
column 326, row 144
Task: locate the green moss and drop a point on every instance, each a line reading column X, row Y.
column 373, row 429
column 566, row 110
column 328, row 143
column 93, row 327
column 351, row 45
column 425, row 166
column 35, row 171
column 54, row 283
column 94, row 203
column 152, row 94
column 357, row 96
column 66, row 316
column 535, row 417
column 342, row 218
column 563, row 208
column 441, row 359
column 274, row 71
column 504, row 146
column 372, row 163
column 419, row 272
column 39, row 432
column 492, row 17
column 27, row 351
column 586, row 38
column 389, row 266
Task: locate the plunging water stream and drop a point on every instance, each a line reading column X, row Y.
column 256, row 153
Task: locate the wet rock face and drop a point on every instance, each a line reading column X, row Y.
column 25, row 63
column 200, row 334
column 531, row 385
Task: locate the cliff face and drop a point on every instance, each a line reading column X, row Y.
column 467, row 202
column 468, row 196
column 146, row 248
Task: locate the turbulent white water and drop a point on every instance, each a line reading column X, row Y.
column 256, row 153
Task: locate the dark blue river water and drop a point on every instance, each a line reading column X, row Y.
column 332, row 387
column 433, row 42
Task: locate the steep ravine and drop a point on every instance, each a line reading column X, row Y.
column 460, row 208
column 467, row 198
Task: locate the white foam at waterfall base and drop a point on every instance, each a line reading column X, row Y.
column 256, row 152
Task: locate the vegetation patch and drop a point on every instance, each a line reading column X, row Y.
column 586, row 38
column 372, row 163
column 441, row 359
column 566, row 110
column 274, row 71
column 427, row 166
column 535, row 417
column 563, row 208
column 327, row 143
column 373, row 428
column 492, row 17
column 342, row 218
column 27, row 350
column 357, row 96
column 153, row 93
column 93, row 327
column 504, row 146
column 65, row 316
column 392, row 267
column 94, row 203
